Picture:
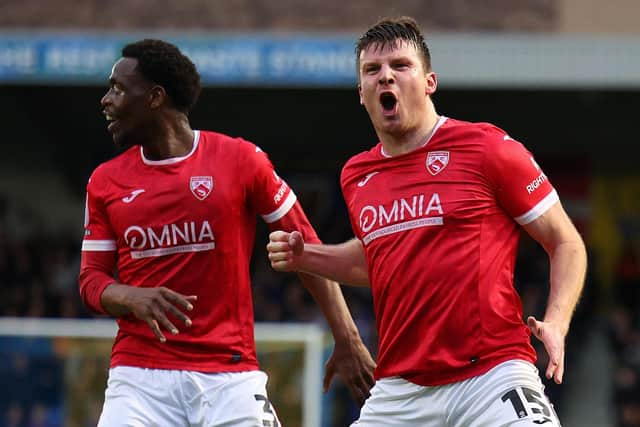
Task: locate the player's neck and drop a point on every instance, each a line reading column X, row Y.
column 395, row 144
column 173, row 138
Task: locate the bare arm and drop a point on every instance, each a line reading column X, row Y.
column 568, row 263
column 344, row 262
column 350, row 359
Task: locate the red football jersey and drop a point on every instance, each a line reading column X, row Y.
column 187, row 224
column 439, row 227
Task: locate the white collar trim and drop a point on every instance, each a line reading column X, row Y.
column 439, row 123
column 171, row 160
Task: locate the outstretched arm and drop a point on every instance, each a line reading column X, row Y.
column 568, row 263
column 344, row 262
column 350, row 359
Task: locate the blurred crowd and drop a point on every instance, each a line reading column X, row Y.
column 38, row 271
column 38, row 267
column 38, row 277
column 624, row 335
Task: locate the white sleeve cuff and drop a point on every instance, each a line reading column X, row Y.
column 99, row 245
column 539, row 209
column 282, row 210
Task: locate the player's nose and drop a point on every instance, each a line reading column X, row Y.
column 386, row 75
column 105, row 100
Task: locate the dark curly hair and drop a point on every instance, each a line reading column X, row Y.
column 388, row 31
column 162, row 63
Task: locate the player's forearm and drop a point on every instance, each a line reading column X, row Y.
column 345, row 262
column 568, row 263
column 328, row 296
column 114, row 299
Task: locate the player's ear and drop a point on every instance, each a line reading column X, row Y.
column 360, row 94
column 157, row 96
column 432, row 83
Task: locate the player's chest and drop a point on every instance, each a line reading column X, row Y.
column 431, row 186
column 182, row 198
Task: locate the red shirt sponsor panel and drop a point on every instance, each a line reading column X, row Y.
column 440, row 231
column 187, row 224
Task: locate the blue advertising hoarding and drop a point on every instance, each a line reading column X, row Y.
column 328, row 60
column 222, row 60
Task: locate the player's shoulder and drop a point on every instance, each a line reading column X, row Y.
column 116, row 165
column 494, row 142
column 218, row 141
column 483, row 132
column 363, row 158
column 360, row 163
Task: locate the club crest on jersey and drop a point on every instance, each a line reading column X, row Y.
column 201, row 186
column 437, row 161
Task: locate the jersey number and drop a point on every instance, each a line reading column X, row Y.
column 268, row 409
column 535, row 404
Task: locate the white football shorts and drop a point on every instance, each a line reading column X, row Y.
column 511, row 394
column 139, row 397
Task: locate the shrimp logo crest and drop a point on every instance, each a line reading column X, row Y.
column 437, row 161
column 201, row 186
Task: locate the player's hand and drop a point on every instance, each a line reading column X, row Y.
column 553, row 340
column 154, row 306
column 355, row 366
column 285, row 249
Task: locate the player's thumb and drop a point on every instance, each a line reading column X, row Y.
column 534, row 326
column 296, row 242
column 328, row 377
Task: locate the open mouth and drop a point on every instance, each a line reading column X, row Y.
column 389, row 102
column 111, row 119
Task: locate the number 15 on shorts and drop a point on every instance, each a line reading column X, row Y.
column 526, row 402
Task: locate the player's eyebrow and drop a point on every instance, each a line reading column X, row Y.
column 113, row 81
column 401, row 58
column 369, row 64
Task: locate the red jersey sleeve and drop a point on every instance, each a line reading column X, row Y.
column 98, row 234
column 98, row 258
column 296, row 220
column 272, row 197
column 521, row 187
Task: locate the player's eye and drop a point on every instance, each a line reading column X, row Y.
column 371, row 69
